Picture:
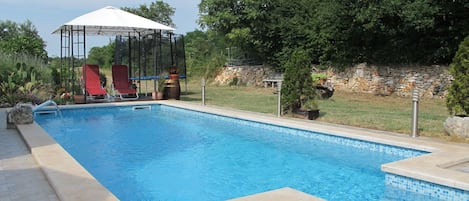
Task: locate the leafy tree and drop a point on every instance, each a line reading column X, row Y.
column 21, row 39
column 103, row 56
column 457, row 100
column 157, row 11
column 203, row 52
column 297, row 87
column 342, row 32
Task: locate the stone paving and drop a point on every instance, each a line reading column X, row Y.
column 21, row 179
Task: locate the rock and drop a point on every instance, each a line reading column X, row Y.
column 4, row 105
column 20, row 114
column 457, row 126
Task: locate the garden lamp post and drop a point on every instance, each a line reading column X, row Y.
column 279, row 106
column 415, row 112
column 203, row 90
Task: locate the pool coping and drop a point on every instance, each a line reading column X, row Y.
column 72, row 182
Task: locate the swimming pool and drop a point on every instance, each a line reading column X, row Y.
column 164, row 153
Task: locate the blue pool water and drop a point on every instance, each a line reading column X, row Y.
column 173, row 154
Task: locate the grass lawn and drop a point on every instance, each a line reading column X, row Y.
column 388, row 113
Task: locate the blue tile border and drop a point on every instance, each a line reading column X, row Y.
column 360, row 144
column 425, row 188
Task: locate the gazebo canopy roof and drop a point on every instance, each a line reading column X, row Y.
column 112, row 21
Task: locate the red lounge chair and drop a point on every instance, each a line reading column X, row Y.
column 122, row 84
column 94, row 90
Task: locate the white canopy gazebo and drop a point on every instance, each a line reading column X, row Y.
column 112, row 21
column 108, row 21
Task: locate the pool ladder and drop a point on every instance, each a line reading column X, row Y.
column 36, row 110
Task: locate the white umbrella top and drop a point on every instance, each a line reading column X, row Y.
column 112, row 21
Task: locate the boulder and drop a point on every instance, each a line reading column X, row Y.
column 457, row 126
column 20, row 114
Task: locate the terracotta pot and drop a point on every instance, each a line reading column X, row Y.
column 79, row 99
column 174, row 76
column 157, row 95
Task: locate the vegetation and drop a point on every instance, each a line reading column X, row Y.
column 21, row 39
column 157, row 11
column 458, row 94
column 102, row 56
column 23, row 79
column 342, row 32
column 203, row 53
column 23, row 73
column 297, row 88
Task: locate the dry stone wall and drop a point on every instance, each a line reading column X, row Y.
column 432, row 81
column 243, row 75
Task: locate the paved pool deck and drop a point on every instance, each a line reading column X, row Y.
column 21, row 179
column 34, row 167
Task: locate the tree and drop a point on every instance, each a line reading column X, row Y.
column 297, row 87
column 203, row 52
column 103, row 56
column 158, row 11
column 21, row 39
column 457, row 100
column 342, row 32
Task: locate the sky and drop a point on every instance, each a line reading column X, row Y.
column 48, row 15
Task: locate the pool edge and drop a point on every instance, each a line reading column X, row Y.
column 70, row 181
column 435, row 164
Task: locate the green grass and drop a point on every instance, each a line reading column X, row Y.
column 389, row 113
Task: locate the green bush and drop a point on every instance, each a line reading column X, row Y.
column 317, row 77
column 24, row 79
column 458, row 94
column 297, row 87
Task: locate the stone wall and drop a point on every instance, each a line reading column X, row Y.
column 243, row 75
column 432, row 81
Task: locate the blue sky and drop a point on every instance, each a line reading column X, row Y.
column 48, row 15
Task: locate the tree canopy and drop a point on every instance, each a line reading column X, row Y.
column 457, row 101
column 203, row 52
column 21, row 39
column 157, row 11
column 342, row 32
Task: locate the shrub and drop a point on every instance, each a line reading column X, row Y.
column 23, row 79
column 297, row 88
column 317, row 77
column 457, row 100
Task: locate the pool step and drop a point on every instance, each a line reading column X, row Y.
column 45, row 112
column 142, row 107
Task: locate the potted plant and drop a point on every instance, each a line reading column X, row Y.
column 310, row 108
column 458, row 93
column 174, row 73
column 160, row 83
column 319, row 78
column 78, row 95
column 298, row 92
